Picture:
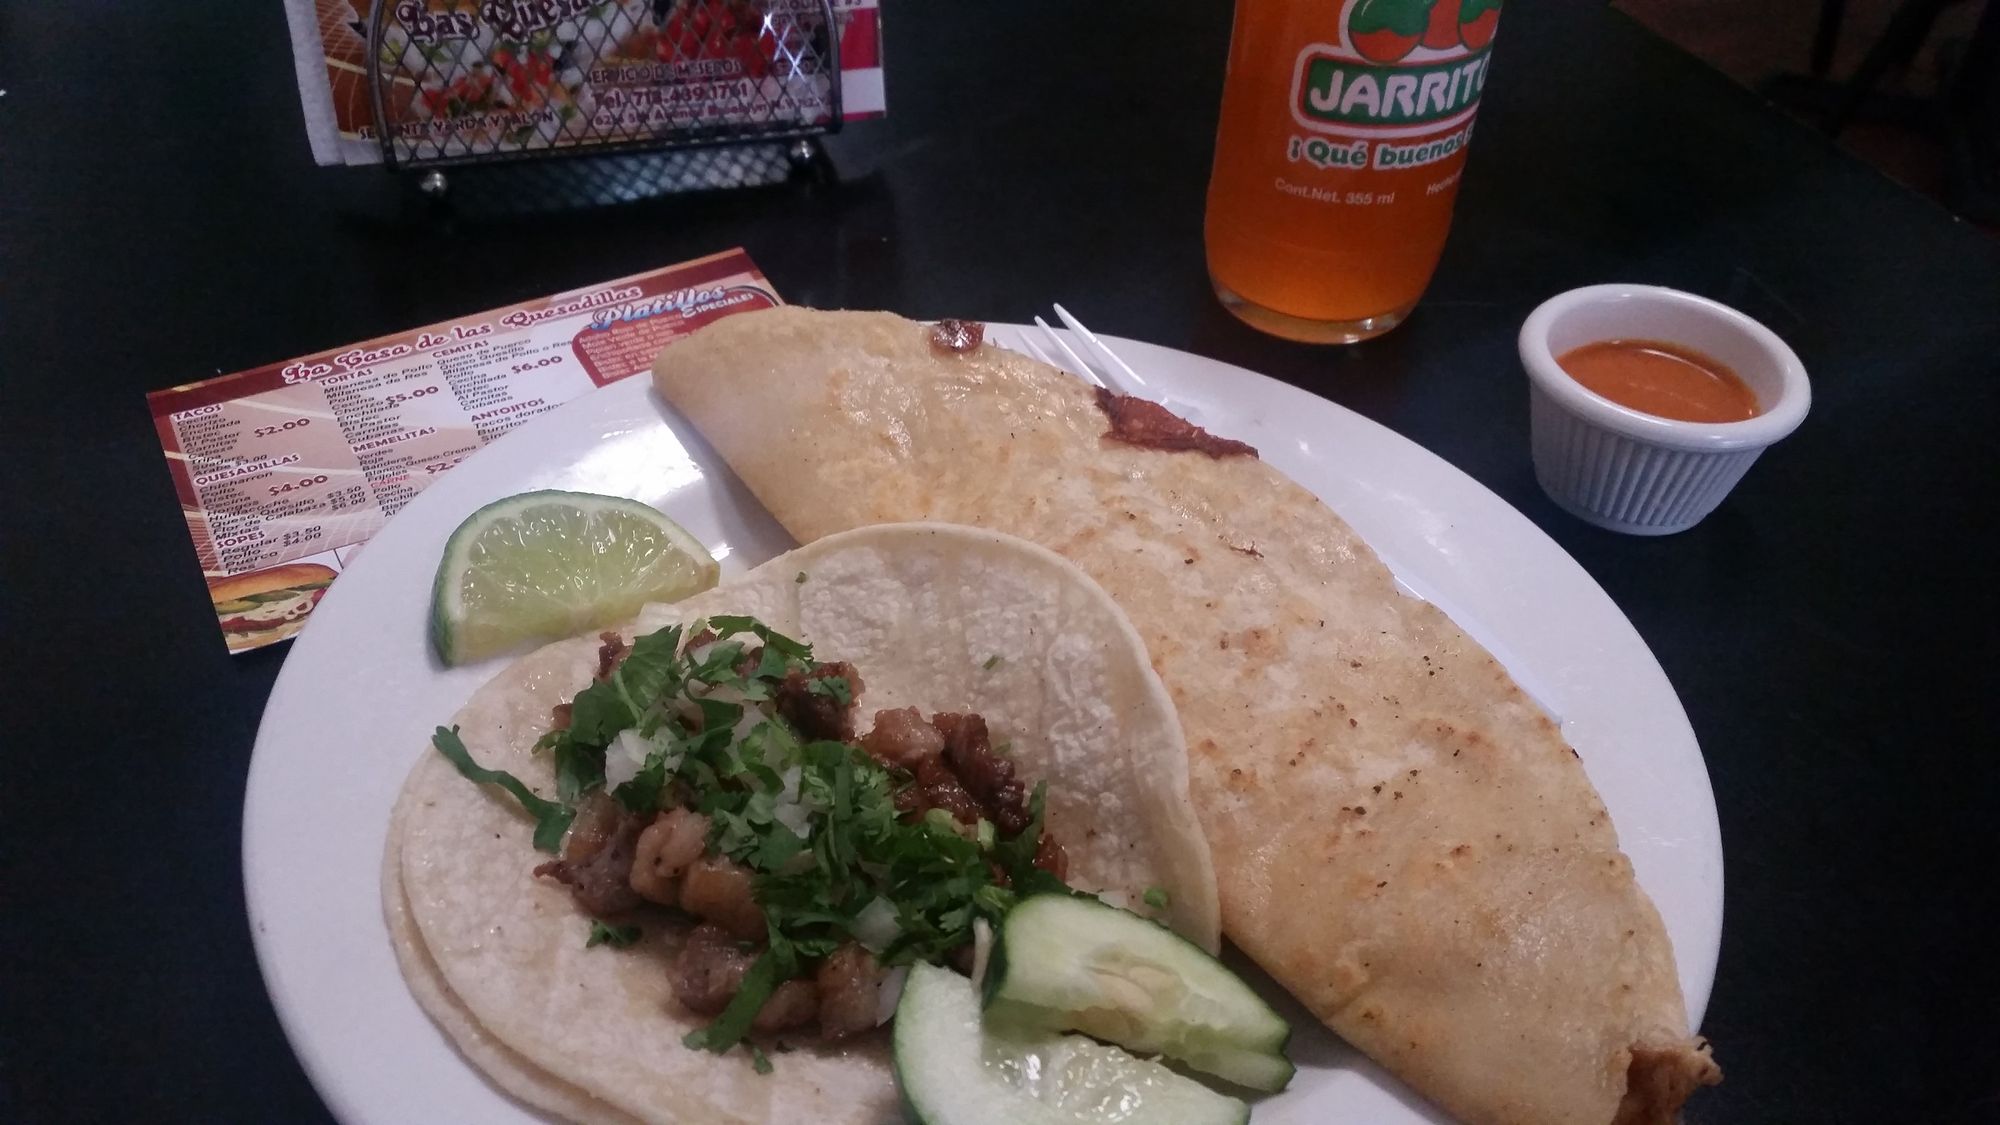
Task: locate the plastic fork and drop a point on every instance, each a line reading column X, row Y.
column 1109, row 372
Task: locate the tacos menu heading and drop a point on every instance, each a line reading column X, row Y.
column 305, row 459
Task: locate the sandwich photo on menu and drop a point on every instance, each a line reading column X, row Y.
column 267, row 605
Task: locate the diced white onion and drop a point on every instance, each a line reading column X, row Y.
column 788, row 810
column 890, row 994
column 1119, row 899
column 982, row 948
column 751, row 720
column 792, row 815
column 625, row 757
column 875, row 926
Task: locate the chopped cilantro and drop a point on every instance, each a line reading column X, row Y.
column 815, row 822
column 801, row 579
column 733, row 1024
column 835, row 687
column 551, row 817
column 617, row 937
column 759, row 1061
column 992, row 662
column 773, row 665
column 603, row 709
column 1156, row 897
column 642, row 792
column 578, row 769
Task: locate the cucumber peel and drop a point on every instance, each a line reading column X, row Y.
column 1064, row 963
column 954, row 1066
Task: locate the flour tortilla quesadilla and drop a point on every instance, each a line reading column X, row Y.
column 1401, row 836
column 929, row 616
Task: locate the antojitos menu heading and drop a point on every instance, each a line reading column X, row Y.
column 300, row 462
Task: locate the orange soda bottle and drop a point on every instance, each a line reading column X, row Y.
column 1337, row 161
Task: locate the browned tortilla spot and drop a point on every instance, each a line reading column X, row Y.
column 1659, row 1079
column 1137, row 421
column 957, row 336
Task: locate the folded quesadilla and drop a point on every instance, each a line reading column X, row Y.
column 1401, row 836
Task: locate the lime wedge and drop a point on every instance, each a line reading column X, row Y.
column 544, row 565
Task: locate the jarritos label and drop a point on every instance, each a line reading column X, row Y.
column 1400, row 87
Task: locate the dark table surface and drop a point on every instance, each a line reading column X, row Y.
column 1830, row 629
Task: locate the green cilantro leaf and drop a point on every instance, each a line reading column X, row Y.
column 759, row 1061
column 603, row 709
column 551, row 817
column 773, row 665
column 617, row 937
column 733, row 1024
column 994, row 900
column 834, row 687
column 579, row 768
column 1156, row 897
column 730, row 624
column 992, row 662
column 719, row 665
column 642, row 792
column 801, row 579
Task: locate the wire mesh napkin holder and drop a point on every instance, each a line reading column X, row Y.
column 731, row 93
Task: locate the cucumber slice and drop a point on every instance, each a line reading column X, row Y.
column 957, row 1068
column 1076, row 964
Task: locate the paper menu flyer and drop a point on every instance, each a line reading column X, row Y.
column 284, row 471
column 548, row 76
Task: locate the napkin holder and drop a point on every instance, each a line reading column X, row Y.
column 671, row 95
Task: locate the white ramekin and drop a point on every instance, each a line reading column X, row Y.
column 1633, row 472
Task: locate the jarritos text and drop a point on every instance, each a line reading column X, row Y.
column 1402, row 71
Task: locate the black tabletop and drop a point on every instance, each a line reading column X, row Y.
column 1829, row 629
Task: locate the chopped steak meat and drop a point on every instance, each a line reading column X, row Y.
column 710, row 969
column 817, row 714
column 1138, row 421
column 938, row 788
column 611, row 654
column 986, row 775
column 597, row 820
column 901, row 737
column 718, row 890
column 596, row 863
column 957, row 336
column 850, row 989
column 794, row 1003
column 673, row 842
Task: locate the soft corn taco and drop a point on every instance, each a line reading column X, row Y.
column 758, row 807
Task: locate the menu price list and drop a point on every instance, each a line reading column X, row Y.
column 304, row 460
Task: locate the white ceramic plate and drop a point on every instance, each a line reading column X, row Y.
column 360, row 694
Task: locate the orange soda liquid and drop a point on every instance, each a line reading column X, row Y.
column 1337, row 160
